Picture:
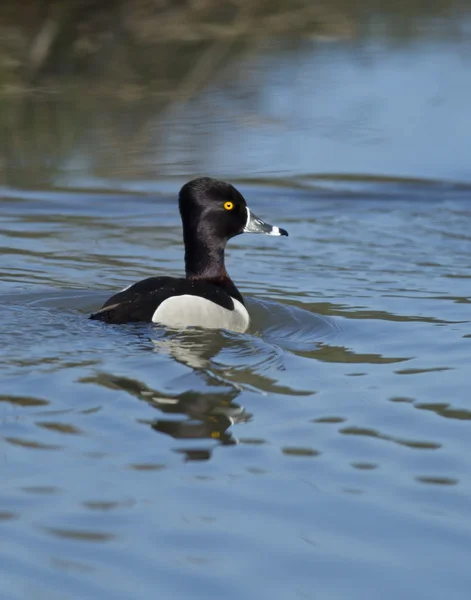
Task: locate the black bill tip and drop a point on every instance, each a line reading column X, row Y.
column 255, row 225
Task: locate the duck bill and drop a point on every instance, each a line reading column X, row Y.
column 256, row 225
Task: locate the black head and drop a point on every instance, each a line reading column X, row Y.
column 212, row 209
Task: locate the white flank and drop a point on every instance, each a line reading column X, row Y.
column 194, row 311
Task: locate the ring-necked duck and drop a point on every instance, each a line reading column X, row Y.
column 212, row 212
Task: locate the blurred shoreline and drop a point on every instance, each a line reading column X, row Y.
column 151, row 42
column 140, row 41
column 120, row 87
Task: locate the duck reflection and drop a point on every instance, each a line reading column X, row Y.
column 194, row 348
column 208, row 415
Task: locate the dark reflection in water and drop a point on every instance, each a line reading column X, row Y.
column 355, row 312
column 445, row 410
column 7, row 516
column 437, row 480
column 418, row 371
column 208, row 415
column 364, row 466
column 80, row 535
column 331, row 420
column 340, row 354
column 41, row 489
column 32, row 444
column 65, row 428
column 415, row 444
column 297, row 451
column 23, row 401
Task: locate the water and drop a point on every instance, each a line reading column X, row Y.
column 324, row 453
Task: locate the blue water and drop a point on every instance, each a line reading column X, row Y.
column 322, row 454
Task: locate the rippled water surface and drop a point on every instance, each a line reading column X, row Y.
column 323, row 454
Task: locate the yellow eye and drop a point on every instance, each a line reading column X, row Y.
column 228, row 205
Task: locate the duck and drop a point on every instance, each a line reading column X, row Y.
column 212, row 212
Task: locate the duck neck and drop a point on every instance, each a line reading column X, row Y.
column 204, row 261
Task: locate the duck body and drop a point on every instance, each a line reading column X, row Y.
column 212, row 212
column 178, row 303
